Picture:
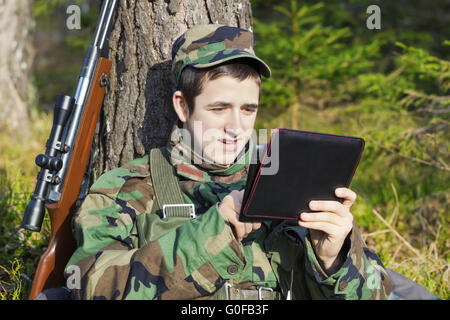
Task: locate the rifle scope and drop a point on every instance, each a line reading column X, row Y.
column 50, row 163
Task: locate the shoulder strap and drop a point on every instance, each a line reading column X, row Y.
column 167, row 189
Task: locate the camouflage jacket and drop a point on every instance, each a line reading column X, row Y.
column 193, row 259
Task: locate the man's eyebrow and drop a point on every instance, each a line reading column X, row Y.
column 218, row 104
column 225, row 104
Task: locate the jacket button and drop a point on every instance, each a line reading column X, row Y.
column 342, row 285
column 232, row 269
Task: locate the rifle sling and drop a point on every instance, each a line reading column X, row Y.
column 166, row 186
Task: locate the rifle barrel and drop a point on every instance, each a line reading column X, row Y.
column 101, row 18
column 81, row 93
column 106, row 25
column 51, row 179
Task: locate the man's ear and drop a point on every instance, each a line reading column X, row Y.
column 180, row 106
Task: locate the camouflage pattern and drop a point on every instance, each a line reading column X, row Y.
column 194, row 259
column 204, row 46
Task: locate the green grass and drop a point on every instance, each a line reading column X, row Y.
column 20, row 250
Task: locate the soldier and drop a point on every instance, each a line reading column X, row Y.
column 132, row 247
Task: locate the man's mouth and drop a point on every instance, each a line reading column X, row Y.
column 229, row 144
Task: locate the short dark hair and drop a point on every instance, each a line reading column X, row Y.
column 192, row 80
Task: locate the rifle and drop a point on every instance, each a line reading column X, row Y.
column 64, row 176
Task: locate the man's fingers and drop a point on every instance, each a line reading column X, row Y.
column 348, row 195
column 328, row 228
column 327, row 222
column 230, row 209
column 322, row 217
column 326, row 205
column 243, row 229
column 337, row 207
column 237, row 197
column 239, row 229
column 248, row 227
column 256, row 225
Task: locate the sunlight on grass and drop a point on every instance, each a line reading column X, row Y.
column 20, row 249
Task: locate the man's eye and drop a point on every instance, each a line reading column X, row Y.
column 250, row 110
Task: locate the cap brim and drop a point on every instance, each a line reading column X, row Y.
column 263, row 67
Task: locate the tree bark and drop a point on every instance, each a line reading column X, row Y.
column 137, row 113
column 16, row 58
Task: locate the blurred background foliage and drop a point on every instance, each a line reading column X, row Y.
column 391, row 87
column 330, row 74
column 60, row 51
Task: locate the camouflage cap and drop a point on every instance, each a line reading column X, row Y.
column 208, row 45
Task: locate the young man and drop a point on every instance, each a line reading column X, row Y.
column 128, row 248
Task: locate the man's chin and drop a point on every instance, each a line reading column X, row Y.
column 224, row 157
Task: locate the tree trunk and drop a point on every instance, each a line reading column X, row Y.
column 16, row 58
column 137, row 113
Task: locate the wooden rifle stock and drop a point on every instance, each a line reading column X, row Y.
column 50, row 271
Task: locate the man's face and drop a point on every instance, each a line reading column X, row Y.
column 223, row 117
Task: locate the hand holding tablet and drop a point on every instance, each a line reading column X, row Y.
column 297, row 167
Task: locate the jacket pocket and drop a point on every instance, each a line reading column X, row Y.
column 150, row 227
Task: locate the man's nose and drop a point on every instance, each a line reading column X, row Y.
column 234, row 123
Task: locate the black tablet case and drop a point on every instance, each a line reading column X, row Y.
column 311, row 166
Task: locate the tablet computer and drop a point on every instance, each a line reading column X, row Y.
column 295, row 168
